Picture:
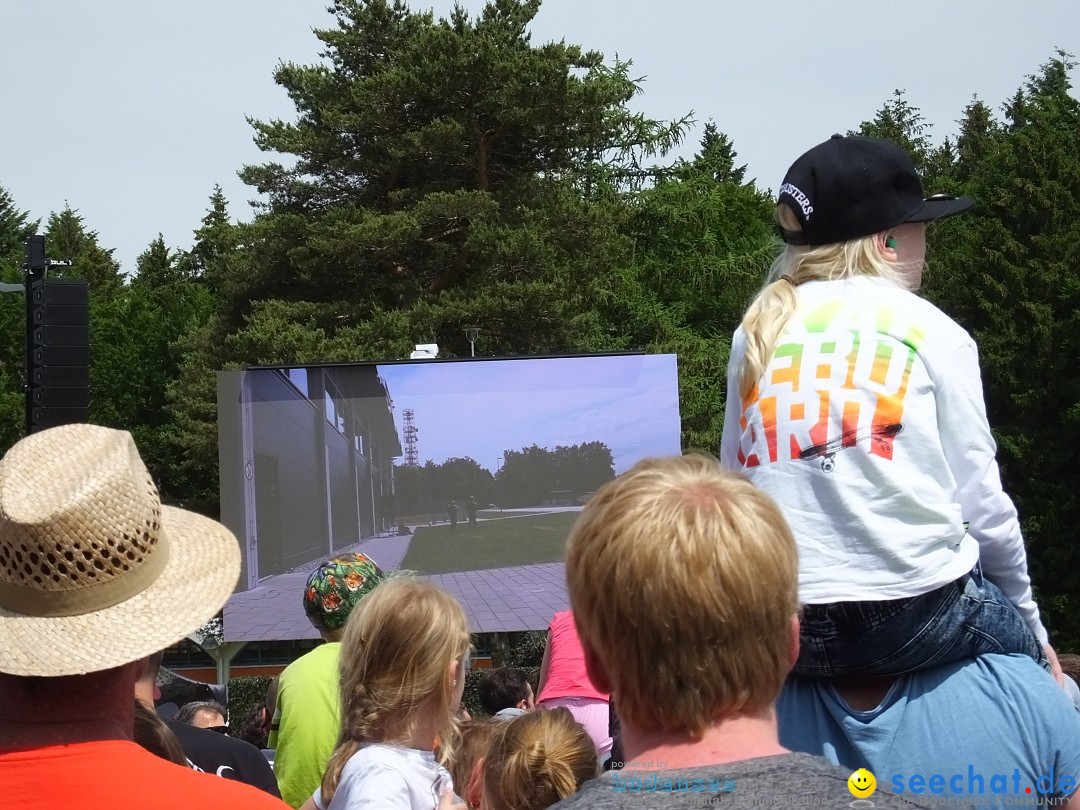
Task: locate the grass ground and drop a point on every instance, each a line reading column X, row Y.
column 539, row 538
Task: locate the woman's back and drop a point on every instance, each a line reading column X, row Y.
column 565, row 675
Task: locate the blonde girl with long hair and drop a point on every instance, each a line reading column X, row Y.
column 858, row 407
column 402, row 677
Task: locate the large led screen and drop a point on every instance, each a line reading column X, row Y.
column 468, row 471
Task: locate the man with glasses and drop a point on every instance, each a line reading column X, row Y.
column 207, row 747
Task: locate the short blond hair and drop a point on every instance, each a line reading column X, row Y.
column 683, row 579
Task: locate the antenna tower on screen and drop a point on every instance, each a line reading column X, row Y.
column 412, row 455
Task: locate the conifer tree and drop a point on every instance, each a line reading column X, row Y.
column 15, row 227
column 1010, row 272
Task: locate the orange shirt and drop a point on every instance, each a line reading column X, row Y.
column 111, row 774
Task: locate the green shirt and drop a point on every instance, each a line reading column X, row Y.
column 306, row 722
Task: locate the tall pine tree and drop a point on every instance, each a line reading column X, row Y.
column 15, row 227
column 1010, row 272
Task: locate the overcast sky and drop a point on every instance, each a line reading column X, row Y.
column 131, row 110
column 481, row 409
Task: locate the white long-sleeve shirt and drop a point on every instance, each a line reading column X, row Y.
column 869, row 430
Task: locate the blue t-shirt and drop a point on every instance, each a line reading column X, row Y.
column 996, row 725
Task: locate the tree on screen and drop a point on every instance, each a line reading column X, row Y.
column 457, row 479
column 527, row 477
column 582, row 468
column 538, row 476
column 423, row 492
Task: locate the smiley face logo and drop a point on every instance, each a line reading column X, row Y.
column 862, row 783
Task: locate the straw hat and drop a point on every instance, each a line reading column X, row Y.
column 94, row 571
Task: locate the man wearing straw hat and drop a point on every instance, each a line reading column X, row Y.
column 95, row 575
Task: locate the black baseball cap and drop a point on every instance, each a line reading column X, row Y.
column 853, row 186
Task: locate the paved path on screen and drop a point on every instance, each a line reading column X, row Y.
column 524, row 597
column 499, row 599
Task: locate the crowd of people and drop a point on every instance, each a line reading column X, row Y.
column 837, row 609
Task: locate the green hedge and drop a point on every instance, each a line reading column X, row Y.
column 245, row 693
column 522, row 650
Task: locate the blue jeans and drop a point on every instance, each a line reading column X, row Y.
column 961, row 620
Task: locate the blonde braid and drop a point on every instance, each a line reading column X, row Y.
column 768, row 315
column 396, row 653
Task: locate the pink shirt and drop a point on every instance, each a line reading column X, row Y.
column 566, row 675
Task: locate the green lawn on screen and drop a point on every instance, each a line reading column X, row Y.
column 537, row 538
